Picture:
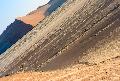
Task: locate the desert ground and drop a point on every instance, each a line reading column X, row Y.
column 108, row 70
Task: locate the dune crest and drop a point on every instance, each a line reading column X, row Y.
column 33, row 19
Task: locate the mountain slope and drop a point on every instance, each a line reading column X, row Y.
column 76, row 27
column 12, row 34
column 23, row 25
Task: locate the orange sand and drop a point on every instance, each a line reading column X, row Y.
column 33, row 19
column 105, row 71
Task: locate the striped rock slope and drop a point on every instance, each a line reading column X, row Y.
column 81, row 31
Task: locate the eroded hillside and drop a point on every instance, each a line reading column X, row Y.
column 80, row 33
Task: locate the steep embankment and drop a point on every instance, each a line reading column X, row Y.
column 81, row 32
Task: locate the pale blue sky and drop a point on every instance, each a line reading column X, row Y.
column 10, row 9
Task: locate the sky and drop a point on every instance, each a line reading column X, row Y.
column 10, row 9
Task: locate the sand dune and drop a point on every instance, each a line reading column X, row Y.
column 79, row 42
column 33, row 19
